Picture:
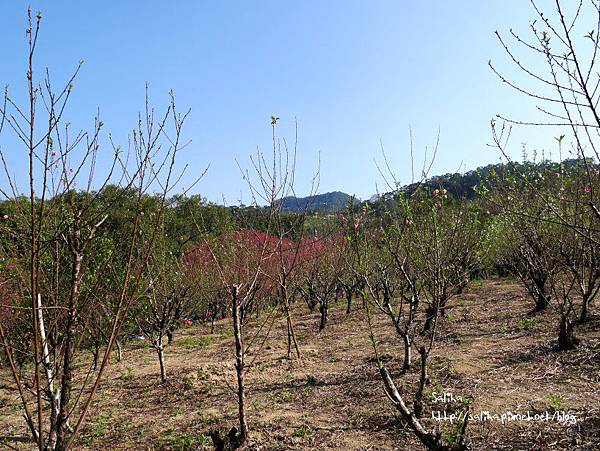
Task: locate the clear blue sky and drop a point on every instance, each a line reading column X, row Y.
column 353, row 73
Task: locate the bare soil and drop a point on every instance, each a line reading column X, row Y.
column 489, row 347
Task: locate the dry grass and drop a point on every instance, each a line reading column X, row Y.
column 489, row 347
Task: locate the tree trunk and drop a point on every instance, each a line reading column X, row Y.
column 349, row 302
column 119, row 350
column 583, row 317
column 407, row 351
column 289, row 340
column 66, row 385
column 324, row 309
column 431, row 440
column 541, row 301
column 50, row 391
column 170, row 336
column 443, row 303
column 66, row 382
column 161, row 360
column 431, row 313
column 291, row 334
column 239, row 364
column 566, row 335
column 423, row 380
column 95, row 357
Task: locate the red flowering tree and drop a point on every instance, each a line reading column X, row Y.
column 236, row 255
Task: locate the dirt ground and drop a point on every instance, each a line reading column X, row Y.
column 489, row 347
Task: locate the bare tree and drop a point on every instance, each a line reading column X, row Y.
column 168, row 299
column 323, row 263
column 52, row 261
column 566, row 40
column 275, row 181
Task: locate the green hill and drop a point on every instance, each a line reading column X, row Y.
column 322, row 203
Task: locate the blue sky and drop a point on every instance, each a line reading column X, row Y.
column 354, row 73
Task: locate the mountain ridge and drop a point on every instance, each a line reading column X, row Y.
column 323, row 203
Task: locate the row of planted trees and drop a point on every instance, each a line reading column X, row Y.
column 408, row 263
column 413, row 260
column 404, row 260
column 409, row 260
column 545, row 233
column 534, row 221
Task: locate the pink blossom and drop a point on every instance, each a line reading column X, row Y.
column 357, row 223
column 436, row 192
column 71, row 170
column 438, row 204
column 587, row 189
column 53, row 154
column 444, row 192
